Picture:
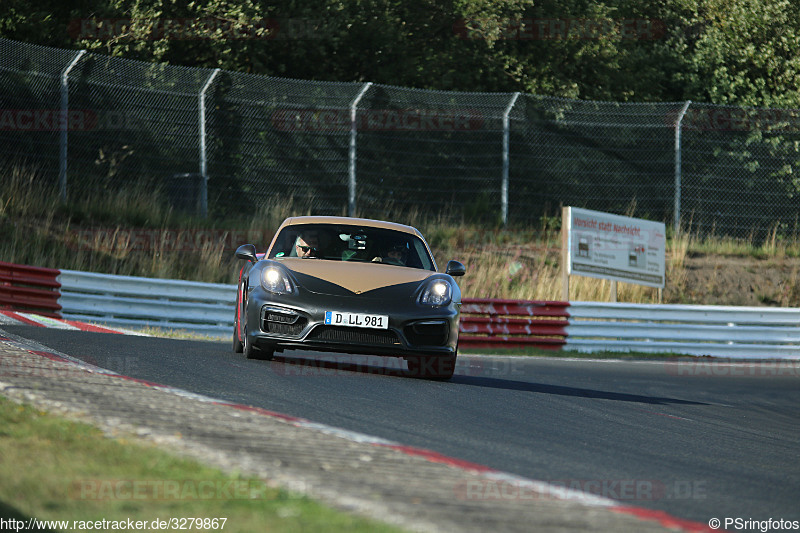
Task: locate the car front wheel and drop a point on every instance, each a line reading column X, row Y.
column 254, row 352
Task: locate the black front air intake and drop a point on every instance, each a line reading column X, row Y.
column 282, row 321
column 354, row 335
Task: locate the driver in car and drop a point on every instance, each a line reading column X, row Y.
column 395, row 255
column 307, row 244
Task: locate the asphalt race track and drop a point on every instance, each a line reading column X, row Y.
column 698, row 440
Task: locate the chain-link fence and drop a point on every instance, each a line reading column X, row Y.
column 213, row 141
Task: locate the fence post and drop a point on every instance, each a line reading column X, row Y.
column 351, row 196
column 506, row 148
column 63, row 125
column 203, row 159
column 677, row 214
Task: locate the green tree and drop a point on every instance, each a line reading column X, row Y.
column 743, row 52
column 732, row 52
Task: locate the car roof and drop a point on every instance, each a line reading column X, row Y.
column 293, row 221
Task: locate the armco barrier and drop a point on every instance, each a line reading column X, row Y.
column 491, row 323
column 127, row 301
column 751, row 332
column 29, row 289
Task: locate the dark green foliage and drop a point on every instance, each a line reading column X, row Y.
column 731, row 52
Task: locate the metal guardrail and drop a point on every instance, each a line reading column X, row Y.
column 129, row 301
column 723, row 331
column 29, row 289
column 208, row 308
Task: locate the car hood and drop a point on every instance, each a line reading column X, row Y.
column 343, row 278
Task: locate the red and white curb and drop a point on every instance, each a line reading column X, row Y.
column 662, row 518
column 16, row 318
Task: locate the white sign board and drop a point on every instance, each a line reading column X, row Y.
column 602, row 245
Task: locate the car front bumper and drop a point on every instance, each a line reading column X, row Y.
column 298, row 322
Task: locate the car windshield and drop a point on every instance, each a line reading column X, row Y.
column 342, row 242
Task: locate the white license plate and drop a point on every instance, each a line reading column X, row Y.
column 356, row 320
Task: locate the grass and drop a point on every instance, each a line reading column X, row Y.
column 135, row 232
column 54, row 469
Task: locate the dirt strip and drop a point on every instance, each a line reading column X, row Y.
column 365, row 476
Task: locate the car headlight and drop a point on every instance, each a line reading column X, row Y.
column 437, row 292
column 276, row 281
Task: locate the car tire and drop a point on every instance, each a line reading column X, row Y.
column 439, row 368
column 253, row 352
column 238, row 347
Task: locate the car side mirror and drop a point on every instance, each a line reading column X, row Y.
column 455, row 268
column 247, row 252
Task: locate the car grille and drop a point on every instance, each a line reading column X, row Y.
column 282, row 322
column 428, row 333
column 354, row 335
